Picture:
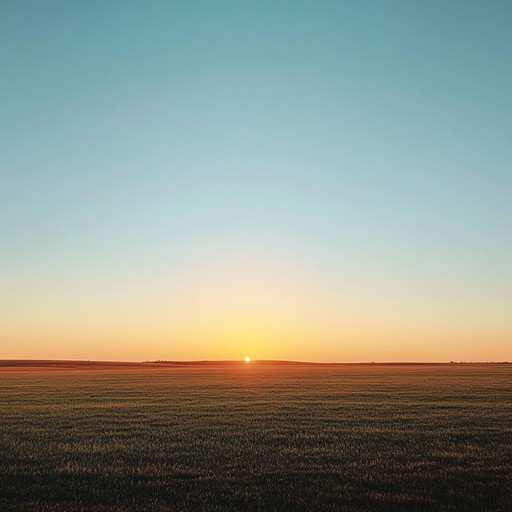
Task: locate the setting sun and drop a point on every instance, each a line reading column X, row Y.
column 247, row 359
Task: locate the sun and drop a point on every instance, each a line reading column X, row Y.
column 247, row 359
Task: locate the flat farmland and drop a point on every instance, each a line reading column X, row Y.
column 256, row 437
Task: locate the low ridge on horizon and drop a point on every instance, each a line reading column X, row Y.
column 258, row 362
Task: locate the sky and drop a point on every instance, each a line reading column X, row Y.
column 322, row 181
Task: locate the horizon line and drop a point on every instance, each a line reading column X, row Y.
column 242, row 361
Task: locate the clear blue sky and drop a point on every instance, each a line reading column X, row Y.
column 308, row 180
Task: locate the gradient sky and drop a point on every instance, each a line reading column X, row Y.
column 324, row 180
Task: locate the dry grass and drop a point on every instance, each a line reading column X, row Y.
column 256, row 437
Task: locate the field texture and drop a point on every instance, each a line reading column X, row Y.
column 255, row 436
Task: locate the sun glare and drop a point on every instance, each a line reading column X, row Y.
column 247, row 359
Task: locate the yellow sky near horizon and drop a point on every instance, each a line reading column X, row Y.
column 266, row 310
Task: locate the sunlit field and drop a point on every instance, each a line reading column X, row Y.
column 254, row 436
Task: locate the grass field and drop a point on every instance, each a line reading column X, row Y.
column 255, row 436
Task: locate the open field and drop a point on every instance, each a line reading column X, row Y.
column 203, row 437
